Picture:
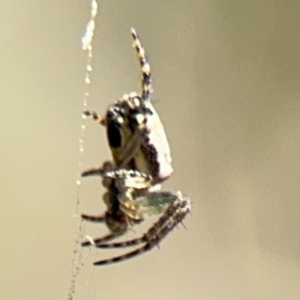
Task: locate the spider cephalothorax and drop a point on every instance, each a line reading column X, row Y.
column 142, row 162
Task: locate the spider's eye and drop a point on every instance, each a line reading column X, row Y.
column 114, row 135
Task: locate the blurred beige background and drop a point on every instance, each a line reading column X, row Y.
column 226, row 80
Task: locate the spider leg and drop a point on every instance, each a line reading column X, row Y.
column 125, row 177
column 97, row 219
column 95, row 117
column 93, row 172
column 155, row 228
column 131, row 148
column 105, row 238
column 178, row 217
column 107, row 166
column 146, row 72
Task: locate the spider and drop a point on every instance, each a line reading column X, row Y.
column 142, row 162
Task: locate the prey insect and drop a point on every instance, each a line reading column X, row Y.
column 142, row 161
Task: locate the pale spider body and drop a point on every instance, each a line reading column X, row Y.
column 142, row 162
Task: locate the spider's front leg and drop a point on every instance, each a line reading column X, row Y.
column 97, row 241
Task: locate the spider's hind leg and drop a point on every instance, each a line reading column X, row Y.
column 178, row 211
column 97, row 241
column 117, row 226
column 174, row 208
column 146, row 85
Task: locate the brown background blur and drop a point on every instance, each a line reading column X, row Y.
column 226, row 81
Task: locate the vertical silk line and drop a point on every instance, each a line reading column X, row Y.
column 87, row 45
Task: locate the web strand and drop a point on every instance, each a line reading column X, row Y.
column 87, row 45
